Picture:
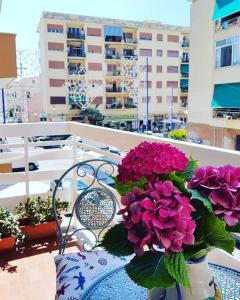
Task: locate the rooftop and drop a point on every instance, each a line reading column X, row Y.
column 151, row 24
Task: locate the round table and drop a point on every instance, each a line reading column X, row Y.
column 116, row 285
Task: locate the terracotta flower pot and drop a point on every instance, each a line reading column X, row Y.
column 7, row 243
column 34, row 232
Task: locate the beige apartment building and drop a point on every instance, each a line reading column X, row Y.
column 214, row 82
column 107, row 59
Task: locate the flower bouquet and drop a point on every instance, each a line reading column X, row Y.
column 173, row 214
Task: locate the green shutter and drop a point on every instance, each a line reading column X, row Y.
column 226, row 95
column 184, row 69
column 224, row 8
column 184, row 83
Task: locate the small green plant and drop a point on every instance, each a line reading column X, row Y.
column 9, row 226
column 178, row 134
column 37, row 210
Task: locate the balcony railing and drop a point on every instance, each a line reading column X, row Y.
column 74, row 71
column 115, row 90
column 226, row 114
column 184, row 90
column 225, row 25
column 76, row 36
column 130, row 41
column 185, row 44
column 113, row 56
column 24, row 151
column 113, row 73
column 120, row 106
column 129, row 56
column 79, row 53
column 114, row 39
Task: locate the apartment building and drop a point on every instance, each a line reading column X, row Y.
column 94, row 53
column 214, row 89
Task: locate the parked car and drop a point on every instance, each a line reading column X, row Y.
column 20, row 167
column 51, row 138
column 66, row 183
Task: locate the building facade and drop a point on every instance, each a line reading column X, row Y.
column 119, row 65
column 214, row 89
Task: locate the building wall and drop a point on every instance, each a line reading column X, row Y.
column 155, row 107
column 8, row 65
column 203, row 76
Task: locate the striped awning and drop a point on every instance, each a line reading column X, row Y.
column 113, row 31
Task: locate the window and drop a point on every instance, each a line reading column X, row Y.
column 158, row 84
column 144, row 99
column 143, row 84
column 56, row 82
column 94, row 67
column 55, row 46
column 172, row 84
column 172, row 69
column 173, row 38
column 94, row 49
column 54, row 64
column 172, row 53
column 159, row 37
column 146, row 52
column 159, row 69
column 94, row 31
column 228, row 52
column 55, row 28
column 159, row 52
column 159, row 99
column 57, row 100
column 97, row 100
column 173, row 99
column 145, row 36
column 144, row 68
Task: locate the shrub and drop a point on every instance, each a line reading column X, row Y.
column 178, row 134
column 37, row 210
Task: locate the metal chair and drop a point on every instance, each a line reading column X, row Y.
column 95, row 206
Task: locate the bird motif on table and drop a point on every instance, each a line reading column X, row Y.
column 61, row 270
column 81, row 281
column 81, row 256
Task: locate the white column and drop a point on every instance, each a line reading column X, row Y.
column 26, row 163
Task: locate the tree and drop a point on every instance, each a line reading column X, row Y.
column 93, row 115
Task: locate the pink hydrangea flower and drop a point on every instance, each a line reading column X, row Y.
column 222, row 186
column 149, row 159
column 160, row 215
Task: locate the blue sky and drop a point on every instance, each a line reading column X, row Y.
column 22, row 16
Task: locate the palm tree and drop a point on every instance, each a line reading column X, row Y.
column 94, row 116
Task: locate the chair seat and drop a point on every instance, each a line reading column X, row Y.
column 77, row 271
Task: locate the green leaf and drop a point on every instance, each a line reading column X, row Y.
column 115, row 241
column 176, row 266
column 205, row 201
column 149, row 271
column 187, row 174
column 216, row 234
column 198, row 254
column 235, row 228
column 124, row 188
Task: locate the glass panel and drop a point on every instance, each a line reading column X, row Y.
column 226, row 56
column 235, row 54
column 218, row 57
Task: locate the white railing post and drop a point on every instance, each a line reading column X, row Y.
column 75, row 176
column 26, row 164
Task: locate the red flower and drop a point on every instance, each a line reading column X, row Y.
column 222, row 186
column 149, row 159
column 160, row 215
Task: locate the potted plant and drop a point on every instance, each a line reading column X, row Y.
column 173, row 214
column 36, row 216
column 9, row 230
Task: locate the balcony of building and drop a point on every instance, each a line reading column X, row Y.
column 130, row 53
column 76, row 50
column 185, row 42
column 184, row 86
column 226, row 113
column 183, row 102
column 228, row 22
column 184, row 69
column 185, row 58
column 76, row 69
column 130, row 36
column 76, row 33
column 113, row 70
column 113, row 34
column 120, row 103
column 30, row 272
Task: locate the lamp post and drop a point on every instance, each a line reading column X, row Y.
column 3, row 107
column 147, row 104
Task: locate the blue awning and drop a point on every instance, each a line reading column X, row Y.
column 113, row 31
column 184, row 83
column 224, row 8
column 226, row 95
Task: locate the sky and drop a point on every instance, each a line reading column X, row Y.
column 22, row 16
